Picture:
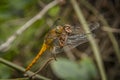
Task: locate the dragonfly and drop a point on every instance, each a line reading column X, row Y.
column 61, row 36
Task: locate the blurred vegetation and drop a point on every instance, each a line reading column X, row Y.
column 15, row 13
column 70, row 70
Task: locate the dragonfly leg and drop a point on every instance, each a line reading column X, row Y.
column 54, row 56
column 45, row 64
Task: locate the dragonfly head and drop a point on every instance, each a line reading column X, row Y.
column 59, row 29
column 68, row 28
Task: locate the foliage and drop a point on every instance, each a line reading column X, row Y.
column 15, row 13
column 70, row 70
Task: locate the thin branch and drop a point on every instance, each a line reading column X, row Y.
column 113, row 30
column 20, row 68
column 5, row 46
column 102, row 19
column 91, row 39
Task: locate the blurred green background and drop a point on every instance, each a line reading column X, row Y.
column 15, row 13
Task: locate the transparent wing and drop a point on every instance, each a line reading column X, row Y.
column 75, row 39
column 78, row 38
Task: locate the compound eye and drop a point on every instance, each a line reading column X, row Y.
column 59, row 29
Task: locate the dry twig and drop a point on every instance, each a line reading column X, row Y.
column 5, row 46
column 20, row 68
column 108, row 29
column 93, row 43
column 102, row 19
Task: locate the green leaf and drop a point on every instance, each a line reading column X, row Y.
column 87, row 64
column 69, row 70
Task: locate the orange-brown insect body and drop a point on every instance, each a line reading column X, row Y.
column 61, row 36
column 58, row 32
